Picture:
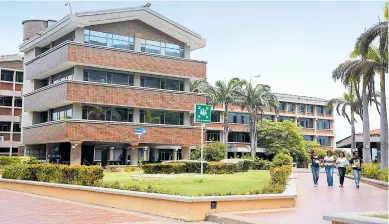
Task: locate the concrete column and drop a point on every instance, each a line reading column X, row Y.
column 111, row 154
column 77, row 111
column 174, row 154
column 136, row 79
column 314, row 110
column 136, row 115
column 126, row 149
column 187, row 85
column 79, row 35
column 137, row 44
column 78, row 73
column 275, row 118
column 186, row 51
column 134, row 154
column 145, row 153
column 185, row 152
column 186, row 119
column 296, row 108
column 235, row 155
column 315, row 124
column 75, row 153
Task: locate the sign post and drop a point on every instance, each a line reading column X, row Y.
column 202, row 116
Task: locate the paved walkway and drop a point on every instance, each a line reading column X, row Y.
column 312, row 203
column 22, row 208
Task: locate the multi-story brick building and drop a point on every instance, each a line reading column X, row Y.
column 92, row 78
column 309, row 112
column 11, row 70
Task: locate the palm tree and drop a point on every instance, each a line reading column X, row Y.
column 379, row 31
column 348, row 100
column 255, row 99
column 222, row 93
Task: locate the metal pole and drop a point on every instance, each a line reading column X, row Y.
column 202, row 148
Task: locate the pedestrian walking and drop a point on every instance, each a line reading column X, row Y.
column 356, row 164
column 341, row 162
column 315, row 167
column 329, row 161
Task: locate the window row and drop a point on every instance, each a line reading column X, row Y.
column 161, row 117
column 6, row 126
column 232, row 136
column 8, row 76
column 162, row 83
column 7, row 101
column 322, row 140
column 121, row 114
column 108, row 39
column 290, row 107
column 157, row 47
column 238, row 118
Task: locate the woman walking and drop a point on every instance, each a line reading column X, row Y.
column 341, row 162
column 315, row 167
column 356, row 163
column 329, row 168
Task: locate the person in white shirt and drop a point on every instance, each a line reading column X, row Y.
column 329, row 161
column 341, row 162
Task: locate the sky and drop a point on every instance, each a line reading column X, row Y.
column 293, row 46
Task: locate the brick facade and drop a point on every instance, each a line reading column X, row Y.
column 308, row 131
column 6, row 86
column 135, row 28
column 108, row 132
column 18, row 65
column 112, row 58
column 324, row 132
column 5, row 111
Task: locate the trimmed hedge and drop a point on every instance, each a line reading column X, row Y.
column 191, row 166
column 164, row 168
column 261, row 164
column 220, row 168
column 280, row 175
column 282, row 159
column 55, row 173
column 10, row 160
column 242, row 165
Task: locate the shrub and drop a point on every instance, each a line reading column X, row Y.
column 373, row 171
column 164, row 168
column 282, row 159
column 261, row 164
column 280, row 175
column 349, row 170
column 246, row 156
column 214, row 151
column 10, row 160
column 112, row 169
column 238, row 163
column 220, row 168
column 55, row 173
column 130, row 169
column 271, row 188
column 248, row 164
column 383, row 175
column 191, row 166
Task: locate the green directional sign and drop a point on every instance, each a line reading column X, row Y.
column 202, row 113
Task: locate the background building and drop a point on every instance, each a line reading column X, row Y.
column 95, row 80
column 11, row 70
column 310, row 113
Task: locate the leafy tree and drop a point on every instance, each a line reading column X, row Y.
column 282, row 137
column 214, row 151
column 255, row 99
column 282, row 159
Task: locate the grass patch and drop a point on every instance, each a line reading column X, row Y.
column 237, row 183
column 382, row 216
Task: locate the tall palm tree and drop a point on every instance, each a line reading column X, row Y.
column 349, row 100
column 222, row 93
column 255, row 99
column 379, row 31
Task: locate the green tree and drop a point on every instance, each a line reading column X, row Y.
column 214, row 151
column 282, row 137
column 255, row 99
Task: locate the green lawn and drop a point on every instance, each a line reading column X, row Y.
column 382, row 216
column 238, row 183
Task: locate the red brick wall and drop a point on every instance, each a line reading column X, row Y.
column 6, row 111
column 12, row 64
column 6, row 86
column 16, row 138
column 308, row 131
column 45, row 134
column 135, row 61
column 18, row 87
column 132, row 97
column 17, row 112
column 6, row 136
column 135, row 28
column 319, row 132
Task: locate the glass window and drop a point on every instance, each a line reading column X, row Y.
column 161, row 117
column 18, row 102
column 213, row 136
column 281, row 119
column 323, row 124
column 7, row 75
column 282, row 106
column 324, row 140
column 290, row 107
column 301, row 108
column 239, row 137
column 308, row 138
column 150, row 82
column 162, row 83
column 6, row 101
column 320, row 109
column 44, row 116
column 65, row 75
column 328, row 111
column 19, row 77
column 238, row 118
column 5, row 126
column 61, row 113
column 17, row 127
column 310, row 109
column 215, row 116
column 108, row 39
column 108, row 77
column 98, row 154
column 166, row 154
column 157, row 47
column 305, row 122
column 120, row 114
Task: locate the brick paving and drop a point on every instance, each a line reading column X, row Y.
column 23, row 208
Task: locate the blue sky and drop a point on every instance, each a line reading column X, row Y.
column 294, row 46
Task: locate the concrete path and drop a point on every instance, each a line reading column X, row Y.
column 22, row 208
column 313, row 202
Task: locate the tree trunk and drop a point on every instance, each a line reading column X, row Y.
column 383, row 123
column 225, row 129
column 366, row 128
column 353, row 142
column 252, row 134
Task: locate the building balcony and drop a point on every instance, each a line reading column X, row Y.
column 68, row 54
column 7, row 143
column 105, row 131
column 68, row 92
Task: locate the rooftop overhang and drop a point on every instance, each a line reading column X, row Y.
column 346, row 142
column 84, row 19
